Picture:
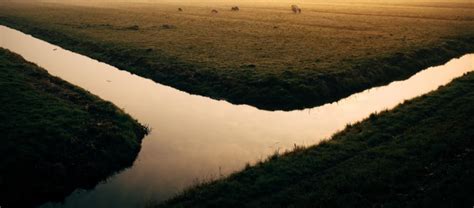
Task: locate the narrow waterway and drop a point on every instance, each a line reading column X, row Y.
column 195, row 137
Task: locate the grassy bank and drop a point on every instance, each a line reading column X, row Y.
column 420, row 154
column 56, row 137
column 262, row 55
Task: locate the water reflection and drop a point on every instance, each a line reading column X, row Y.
column 196, row 137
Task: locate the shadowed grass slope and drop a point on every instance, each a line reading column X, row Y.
column 55, row 137
column 420, row 154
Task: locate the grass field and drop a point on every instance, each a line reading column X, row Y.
column 420, row 154
column 263, row 55
column 56, row 137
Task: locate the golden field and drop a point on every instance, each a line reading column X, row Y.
column 264, row 54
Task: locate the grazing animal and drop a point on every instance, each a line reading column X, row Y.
column 214, row 11
column 235, row 9
column 180, row 10
column 296, row 9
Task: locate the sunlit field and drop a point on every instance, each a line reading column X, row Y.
column 269, row 35
column 264, row 54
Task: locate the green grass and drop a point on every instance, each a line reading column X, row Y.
column 420, row 154
column 262, row 55
column 55, row 137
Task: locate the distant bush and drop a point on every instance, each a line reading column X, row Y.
column 133, row 27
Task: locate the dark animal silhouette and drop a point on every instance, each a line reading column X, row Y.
column 214, row 11
column 296, row 9
column 180, row 10
column 235, row 9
